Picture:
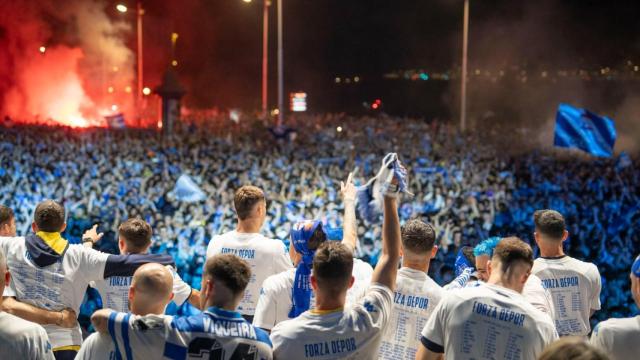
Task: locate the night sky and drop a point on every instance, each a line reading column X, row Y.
column 219, row 49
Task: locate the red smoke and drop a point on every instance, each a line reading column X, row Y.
column 63, row 64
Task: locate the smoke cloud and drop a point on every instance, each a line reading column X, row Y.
column 63, row 63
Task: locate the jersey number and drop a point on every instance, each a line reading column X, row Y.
column 200, row 347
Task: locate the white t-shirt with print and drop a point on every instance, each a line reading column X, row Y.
column 114, row 290
column 265, row 256
column 538, row 296
column 55, row 287
column 276, row 295
column 354, row 332
column 415, row 297
column 618, row 338
column 487, row 322
column 21, row 339
column 575, row 288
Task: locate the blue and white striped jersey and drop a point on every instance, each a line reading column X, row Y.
column 214, row 334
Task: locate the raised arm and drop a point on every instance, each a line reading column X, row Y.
column 350, row 233
column 66, row 318
column 387, row 267
column 91, row 236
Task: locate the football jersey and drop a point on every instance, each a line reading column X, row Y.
column 114, row 290
column 276, row 294
column 350, row 333
column 265, row 256
column 487, row 322
column 575, row 289
column 618, row 338
column 21, row 339
column 415, row 297
column 212, row 334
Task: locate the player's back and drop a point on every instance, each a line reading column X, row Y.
column 415, row 297
column 50, row 280
column 265, row 256
column 488, row 322
column 212, row 334
column 350, row 333
column 114, row 290
column 618, row 338
column 21, row 339
column 276, row 294
column 575, row 288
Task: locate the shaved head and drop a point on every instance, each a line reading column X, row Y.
column 151, row 289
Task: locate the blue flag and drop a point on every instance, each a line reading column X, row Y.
column 187, row 190
column 584, row 130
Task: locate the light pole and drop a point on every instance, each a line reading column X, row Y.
column 280, row 67
column 463, row 91
column 265, row 57
column 140, row 56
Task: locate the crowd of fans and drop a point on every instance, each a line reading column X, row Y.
column 470, row 186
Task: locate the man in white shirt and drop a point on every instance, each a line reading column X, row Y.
column 65, row 318
column 619, row 338
column 533, row 290
column 331, row 331
column 219, row 332
column 278, row 293
column 265, row 256
column 416, row 294
column 150, row 291
column 134, row 237
column 574, row 285
column 51, row 274
column 493, row 320
column 20, row 339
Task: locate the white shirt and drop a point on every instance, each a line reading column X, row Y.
column 533, row 292
column 54, row 287
column 97, row 347
column 618, row 338
column 21, row 339
column 487, row 322
column 350, row 333
column 538, row 296
column 265, row 256
column 575, row 287
column 415, row 298
column 114, row 290
column 212, row 334
column 275, row 296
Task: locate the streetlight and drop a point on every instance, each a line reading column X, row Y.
column 140, row 57
column 265, row 54
column 265, row 43
column 465, row 43
column 280, row 67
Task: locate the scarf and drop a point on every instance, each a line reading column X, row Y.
column 301, row 295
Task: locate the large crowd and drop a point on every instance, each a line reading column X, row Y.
column 470, row 186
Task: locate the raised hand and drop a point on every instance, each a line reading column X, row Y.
column 92, row 235
column 348, row 189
